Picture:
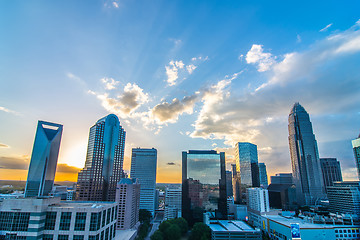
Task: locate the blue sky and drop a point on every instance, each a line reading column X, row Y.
column 180, row 75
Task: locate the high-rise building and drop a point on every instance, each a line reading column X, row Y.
column 104, row 161
column 203, row 185
column 246, row 158
column 50, row 218
column 331, row 171
column 356, row 148
column 143, row 167
column 258, row 199
column 44, row 159
column 128, row 200
column 229, row 187
column 236, row 184
column 305, row 162
column 282, row 196
column 344, row 198
column 172, row 202
column 263, row 175
column 282, row 178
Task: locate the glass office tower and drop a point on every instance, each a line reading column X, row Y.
column 246, row 158
column 263, row 175
column 203, row 185
column 304, row 157
column 331, row 171
column 143, row 167
column 44, row 159
column 104, row 161
column 356, row 147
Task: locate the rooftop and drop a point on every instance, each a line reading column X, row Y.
column 230, row 226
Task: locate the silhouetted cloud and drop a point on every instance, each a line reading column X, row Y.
column 171, row 163
column 64, row 168
column 3, row 145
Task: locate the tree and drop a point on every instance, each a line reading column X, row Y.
column 164, row 225
column 172, row 233
column 200, row 231
column 157, row 235
column 181, row 223
column 144, row 215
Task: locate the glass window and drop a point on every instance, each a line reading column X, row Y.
column 80, row 221
column 63, row 237
column 50, row 220
column 79, row 237
column 65, row 221
column 48, row 237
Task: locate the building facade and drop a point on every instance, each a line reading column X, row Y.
column 44, row 159
column 282, row 178
column 50, row 218
column 172, row 202
column 356, row 148
column 229, row 187
column 263, row 175
column 203, row 185
column 236, row 184
column 246, row 158
column 304, row 155
column 104, row 161
column 282, row 196
column 331, row 171
column 143, row 167
column 344, row 198
column 128, row 200
column 258, row 199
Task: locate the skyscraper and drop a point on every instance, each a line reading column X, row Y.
column 203, row 185
column 44, row 159
column 236, row 184
column 304, row 157
column 263, row 175
column 104, row 161
column 229, row 187
column 258, row 199
column 143, row 167
column 246, row 158
column 356, row 147
column 331, row 171
column 282, row 178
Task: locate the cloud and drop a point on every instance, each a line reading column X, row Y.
column 326, row 28
column 65, row 168
column 21, row 162
column 190, row 68
column 169, row 112
column 171, row 163
column 324, row 78
column 172, row 71
column 115, row 4
column 109, row 83
column 256, row 55
column 2, row 145
column 4, row 109
column 176, row 69
column 126, row 102
column 298, row 38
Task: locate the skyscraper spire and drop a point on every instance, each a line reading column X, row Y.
column 304, row 154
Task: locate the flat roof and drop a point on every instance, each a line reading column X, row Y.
column 230, row 226
column 81, row 204
column 302, row 222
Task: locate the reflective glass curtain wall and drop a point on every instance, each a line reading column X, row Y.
column 44, row 159
column 203, row 185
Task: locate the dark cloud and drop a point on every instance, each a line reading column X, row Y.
column 64, row 168
column 21, row 163
column 171, row 163
column 169, row 112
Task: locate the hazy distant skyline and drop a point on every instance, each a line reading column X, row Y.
column 180, row 75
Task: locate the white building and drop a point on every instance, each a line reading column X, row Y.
column 172, row 202
column 128, row 199
column 143, row 167
column 258, row 199
column 50, row 218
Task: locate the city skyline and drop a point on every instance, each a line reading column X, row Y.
column 184, row 76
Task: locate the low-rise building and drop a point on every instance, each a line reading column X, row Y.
column 49, row 218
column 230, row 229
column 172, row 202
